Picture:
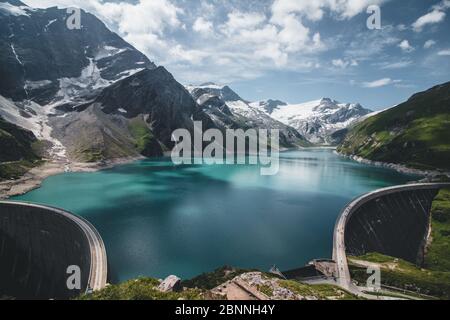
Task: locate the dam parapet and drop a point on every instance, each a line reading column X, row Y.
column 37, row 246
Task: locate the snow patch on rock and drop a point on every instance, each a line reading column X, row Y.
column 9, row 9
column 90, row 79
column 33, row 117
column 318, row 119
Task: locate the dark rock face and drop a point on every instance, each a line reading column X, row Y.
column 135, row 116
column 15, row 143
column 37, row 46
column 156, row 94
column 270, row 105
column 345, row 113
column 337, row 137
column 225, row 93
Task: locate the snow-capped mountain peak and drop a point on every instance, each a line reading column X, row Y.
column 226, row 107
column 222, row 91
column 316, row 120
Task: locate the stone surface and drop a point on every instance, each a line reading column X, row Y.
column 171, row 283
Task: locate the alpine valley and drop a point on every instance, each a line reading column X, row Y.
column 88, row 96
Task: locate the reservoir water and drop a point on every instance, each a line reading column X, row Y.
column 157, row 219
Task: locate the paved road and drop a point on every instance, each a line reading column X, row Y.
column 99, row 267
column 339, row 249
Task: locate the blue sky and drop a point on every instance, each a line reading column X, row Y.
column 292, row 50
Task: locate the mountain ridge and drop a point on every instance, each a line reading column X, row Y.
column 414, row 133
column 38, row 53
column 229, row 110
column 316, row 120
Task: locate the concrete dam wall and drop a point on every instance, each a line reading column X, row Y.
column 38, row 244
column 393, row 221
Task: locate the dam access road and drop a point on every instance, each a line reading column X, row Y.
column 413, row 204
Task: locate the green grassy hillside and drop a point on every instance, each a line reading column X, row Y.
column 415, row 133
column 438, row 251
column 142, row 289
column 401, row 274
column 201, row 288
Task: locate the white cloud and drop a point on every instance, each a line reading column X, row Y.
column 367, row 44
column 395, row 65
column 443, row 5
column 380, row 83
column 201, row 25
column 182, row 54
column 315, row 10
column 444, row 52
column 405, row 46
column 243, row 21
column 340, row 63
column 142, row 17
column 434, row 16
column 225, row 41
column 256, row 37
column 428, row 44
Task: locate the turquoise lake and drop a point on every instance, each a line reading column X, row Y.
column 157, row 219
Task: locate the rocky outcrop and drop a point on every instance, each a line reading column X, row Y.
column 16, row 143
column 170, row 284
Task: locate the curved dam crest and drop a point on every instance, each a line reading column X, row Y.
column 39, row 243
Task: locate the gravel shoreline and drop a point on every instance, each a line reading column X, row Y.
column 426, row 174
column 33, row 179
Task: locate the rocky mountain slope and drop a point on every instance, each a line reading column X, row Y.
column 415, row 133
column 87, row 92
column 19, row 150
column 43, row 60
column 134, row 116
column 94, row 97
column 229, row 110
column 15, row 143
column 317, row 121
